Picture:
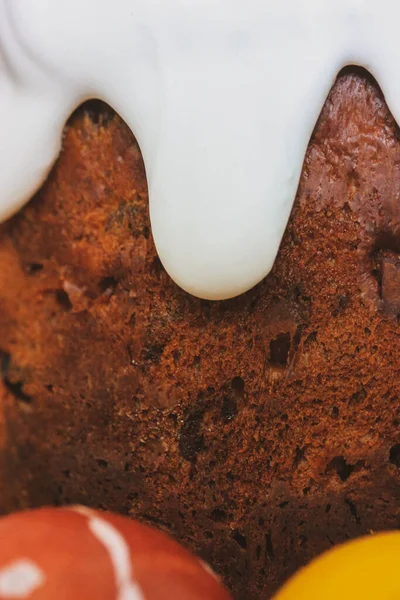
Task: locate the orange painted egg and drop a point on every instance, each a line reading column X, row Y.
column 77, row 553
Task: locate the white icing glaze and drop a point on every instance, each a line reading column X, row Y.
column 222, row 96
column 20, row 579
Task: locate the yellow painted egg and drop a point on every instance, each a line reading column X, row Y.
column 367, row 569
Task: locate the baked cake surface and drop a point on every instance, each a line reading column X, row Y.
column 258, row 431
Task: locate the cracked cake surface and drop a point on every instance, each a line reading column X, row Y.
column 258, row 431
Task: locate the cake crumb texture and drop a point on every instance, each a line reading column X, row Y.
column 258, row 431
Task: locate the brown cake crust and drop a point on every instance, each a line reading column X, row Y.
column 258, row 431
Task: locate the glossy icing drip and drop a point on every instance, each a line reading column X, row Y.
column 222, row 96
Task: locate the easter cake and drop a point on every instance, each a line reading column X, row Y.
column 258, row 428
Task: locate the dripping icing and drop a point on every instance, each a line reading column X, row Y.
column 222, row 96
